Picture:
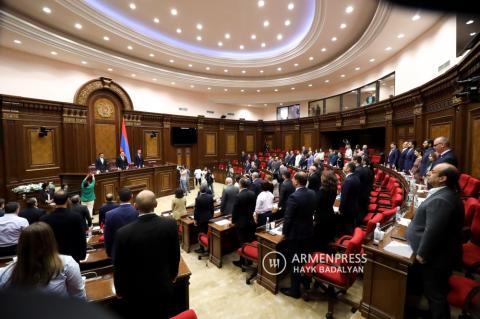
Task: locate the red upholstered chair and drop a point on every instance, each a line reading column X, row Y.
column 249, row 251
column 464, row 294
column 234, row 162
column 471, row 250
column 376, row 159
column 472, row 206
column 472, row 188
column 463, row 181
column 203, row 240
column 330, row 275
column 187, row 314
column 221, row 167
column 260, row 153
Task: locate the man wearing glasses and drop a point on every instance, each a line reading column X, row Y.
column 445, row 154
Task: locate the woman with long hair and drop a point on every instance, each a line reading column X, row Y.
column 325, row 222
column 179, row 205
column 40, row 266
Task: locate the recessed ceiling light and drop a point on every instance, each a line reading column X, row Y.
column 156, row 20
column 276, row 90
column 279, row 36
column 173, row 11
column 310, row 85
column 207, row 68
column 342, row 76
column 154, row 79
column 326, row 81
column 209, row 88
column 261, row 3
column 199, row 38
column 249, row 104
column 53, row 53
column 133, row 6
column 400, row 35
column 151, row 55
column 295, row 65
column 290, row 6
column 199, row 26
column 226, row 70
column 190, row 65
column 310, row 58
column 334, row 39
column 281, row 103
column 241, row 47
column 226, row 90
column 106, row 38
column 261, row 71
column 179, row 30
column 416, row 17
column 242, row 90
column 324, row 49
column 253, row 37
column 17, row 41
column 172, row 83
column 287, row 23
column 258, row 91
column 171, row 61
column 84, row 62
column 357, row 68
column 266, row 23
column 265, row 104
column 47, row 10
column 469, row 22
column 263, row 44
column 78, row 26
column 243, row 71
column 292, row 88
column 372, row 60
column 472, row 34
column 109, row 69
column 130, row 47
column 227, row 35
column 388, row 48
column 349, row 9
column 279, row 69
column 192, row 86
column 343, row 26
column 134, row 75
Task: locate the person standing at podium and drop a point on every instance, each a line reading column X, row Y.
column 138, row 161
column 101, row 164
column 122, row 161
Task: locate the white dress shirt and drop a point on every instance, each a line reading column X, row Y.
column 348, row 153
column 264, row 202
column 10, row 228
column 297, row 160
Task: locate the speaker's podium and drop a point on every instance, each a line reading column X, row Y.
column 160, row 179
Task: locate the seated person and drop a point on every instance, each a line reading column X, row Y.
column 50, row 273
column 101, row 164
column 10, row 228
column 32, row 213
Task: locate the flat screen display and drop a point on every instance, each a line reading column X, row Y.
column 183, row 135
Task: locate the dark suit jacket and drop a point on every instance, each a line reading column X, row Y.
column 448, row 157
column 229, row 196
column 298, row 219
column 114, row 220
column 425, row 161
column 349, row 197
column 314, row 181
column 409, row 159
column 82, row 210
column 243, row 209
column 435, row 232
column 138, row 161
column 402, row 159
column 286, row 188
column 393, row 157
column 146, row 260
column 99, row 166
column 256, row 186
column 203, row 208
column 104, row 209
column 32, row 214
column 69, row 231
column 122, row 164
column 333, row 159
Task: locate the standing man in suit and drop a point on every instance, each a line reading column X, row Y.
column 393, row 156
column 242, row 216
column 409, row 157
column 203, row 211
column 82, row 211
column 101, row 164
column 427, row 150
column 68, row 228
column 435, row 235
column 349, row 199
column 122, row 161
column 108, row 206
column 256, row 185
column 286, row 189
column 445, row 153
column 32, row 213
column 146, row 260
column 229, row 196
column 117, row 218
column 313, row 178
column 138, row 160
column 364, row 175
column 298, row 229
column 402, row 158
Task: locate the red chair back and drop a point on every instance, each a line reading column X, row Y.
column 475, row 229
column 187, row 314
column 472, row 205
column 389, row 213
column 472, row 188
column 372, row 223
column 463, row 181
column 354, row 247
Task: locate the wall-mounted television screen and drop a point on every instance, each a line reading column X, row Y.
column 183, row 136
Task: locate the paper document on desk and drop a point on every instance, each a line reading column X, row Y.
column 398, row 248
column 223, row 222
column 276, row 231
column 404, row 221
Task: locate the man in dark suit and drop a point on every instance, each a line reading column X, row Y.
column 82, row 211
column 146, row 260
column 138, row 160
column 108, row 206
column 435, row 235
column 31, row 213
column 445, row 153
column 203, row 211
column 256, row 185
column 242, row 216
column 229, row 196
column 298, row 229
column 117, row 218
column 122, row 161
column 409, row 157
column 402, row 158
column 313, row 178
column 101, row 164
column 68, row 228
column 286, row 189
column 365, row 178
column 349, row 199
column 393, row 156
column 428, row 149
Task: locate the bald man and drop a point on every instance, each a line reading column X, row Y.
column 441, row 145
column 146, row 261
column 229, row 196
column 435, row 235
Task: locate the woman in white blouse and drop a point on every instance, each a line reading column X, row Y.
column 39, row 265
column 263, row 208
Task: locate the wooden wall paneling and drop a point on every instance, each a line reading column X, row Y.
column 230, row 143
column 472, row 140
column 106, row 140
column 76, row 134
column 307, row 139
column 210, row 143
column 152, row 144
column 249, row 142
column 288, row 143
column 42, row 149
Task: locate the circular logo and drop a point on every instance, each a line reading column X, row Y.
column 275, row 261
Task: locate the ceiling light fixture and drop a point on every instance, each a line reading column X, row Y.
column 192, row 86
column 109, row 69
column 334, row 39
column 388, row 48
column 199, row 38
column 263, row 44
column 279, row 36
column 469, row 22
column 53, row 53
column 227, row 35
column 241, row 47
column 220, row 43
column 310, row 85
column 226, row 71
column 154, row 79
column 287, row 23
column 17, row 41
column 266, row 23
column 261, row 3
column 323, row 49
column 295, row 65
column 190, row 65
column 258, row 91
column 173, row 12
column 199, row 26
column 342, row 76
column 416, row 17
column 292, row 88
column 179, row 30
column 156, row 20
column 209, row 88
column 133, row 6
column 242, row 90
column 207, row 68
column 279, row 69
column 106, row 38
column 171, row 61
column 243, row 71
column 357, row 68
column 226, row 90
column 310, row 58
column 134, row 75
column 84, row 62
column 400, row 35
column 343, row 26
column 290, row 6
column 151, row 55
column 47, row 10
column 276, row 90
column 349, row 9
column 130, row 47
column 372, row 60
column 261, row 71
column 172, row 83
column 265, row 104
column 326, row 81
column 78, row 26
column 472, row 34
column 253, row 37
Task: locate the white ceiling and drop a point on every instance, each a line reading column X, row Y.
column 143, row 42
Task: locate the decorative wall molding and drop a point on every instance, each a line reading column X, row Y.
column 86, row 90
